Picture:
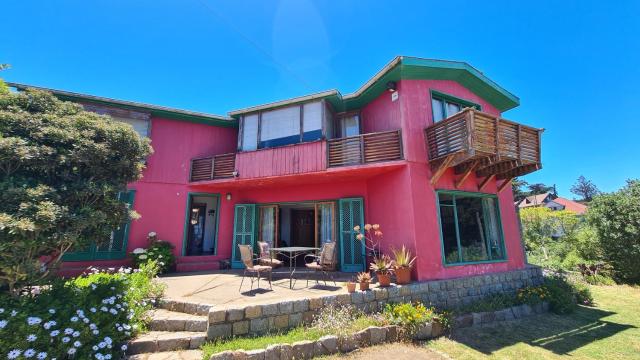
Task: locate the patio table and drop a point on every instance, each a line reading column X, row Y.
column 291, row 252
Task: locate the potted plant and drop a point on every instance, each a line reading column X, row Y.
column 383, row 268
column 402, row 264
column 364, row 279
column 351, row 286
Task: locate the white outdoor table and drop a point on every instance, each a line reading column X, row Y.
column 292, row 252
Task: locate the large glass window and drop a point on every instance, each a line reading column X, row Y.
column 287, row 125
column 443, row 105
column 470, row 228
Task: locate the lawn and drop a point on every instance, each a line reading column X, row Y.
column 611, row 330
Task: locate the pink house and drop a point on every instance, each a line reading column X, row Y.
column 421, row 148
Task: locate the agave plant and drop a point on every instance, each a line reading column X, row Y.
column 364, row 277
column 403, row 258
column 382, row 265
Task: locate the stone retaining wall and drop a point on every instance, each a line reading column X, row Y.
column 451, row 293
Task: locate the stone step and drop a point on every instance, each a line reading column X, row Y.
column 169, row 355
column 166, row 320
column 185, row 307
column 159, row 341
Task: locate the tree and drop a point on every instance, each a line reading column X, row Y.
column 585, row 189
column 517, row 186
column 540, row 188
column 61, row 169
column 4, row 89
column 616, row 220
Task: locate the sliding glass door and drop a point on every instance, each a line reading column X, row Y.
column 268, row 225
column 325, row 223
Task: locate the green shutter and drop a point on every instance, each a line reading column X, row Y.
column 115, row 247
column 352, row 250
column 244, row 229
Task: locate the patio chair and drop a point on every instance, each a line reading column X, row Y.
column 325, row 262
column 265, row 257
column 247, row 257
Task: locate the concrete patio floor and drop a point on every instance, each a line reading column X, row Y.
column 221, row 288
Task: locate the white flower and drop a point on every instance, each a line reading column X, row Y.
column 85, row 320
column 139, row 251
column 104, row 308
column 95, row 347
column 32, row 338
column 14, row 313
column 55, row 333
column 120, row 328
column 113, row 311
column 42, row 355
column 102, row 345
column 96, row 332
column 33, row 320
column 76, row 334
column 29, row 353
column 123, row 347
column 71, row 351
column 68, row 331
column 74, row 319
column 3, row 324
column 51, row 311
column 93, row 310
column 13, row 354
column 66, row 339
column 108, row 340
column 99, row 356
column 107, row 357
column 77, row 343
column 142, row 257
column 93, row 326
column 1, row 310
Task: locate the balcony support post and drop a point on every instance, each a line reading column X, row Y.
column 466, row 174
column 439, row 171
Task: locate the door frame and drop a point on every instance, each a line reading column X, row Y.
column 187, row 214
column 360, row 221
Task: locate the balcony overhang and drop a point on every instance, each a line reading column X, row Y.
column 489, row 146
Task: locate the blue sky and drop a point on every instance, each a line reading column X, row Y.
column 575, row 65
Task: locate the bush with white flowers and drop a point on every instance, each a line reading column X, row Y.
column 159, row 251
column 89, row 317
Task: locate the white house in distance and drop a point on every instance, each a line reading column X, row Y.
column 552, row 202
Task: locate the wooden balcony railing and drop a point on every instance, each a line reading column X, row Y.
column 476, row 141
column 213, row 167
column 365, row 148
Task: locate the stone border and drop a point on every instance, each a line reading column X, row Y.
column 373, row 335
column 450, row 293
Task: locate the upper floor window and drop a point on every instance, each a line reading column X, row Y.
column 283, row 126
column 444, row 105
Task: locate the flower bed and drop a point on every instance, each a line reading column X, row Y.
column 89, row 317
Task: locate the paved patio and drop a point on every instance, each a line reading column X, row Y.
column 221, row 288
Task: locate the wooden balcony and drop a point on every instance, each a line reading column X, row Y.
column 213, row 167
column 365, row 149
column 473, row 141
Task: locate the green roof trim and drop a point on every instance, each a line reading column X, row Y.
column 154, row 110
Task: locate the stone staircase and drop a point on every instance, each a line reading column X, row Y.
column 175, row 333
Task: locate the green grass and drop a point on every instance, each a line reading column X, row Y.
column 288, row 337
column 610, row 330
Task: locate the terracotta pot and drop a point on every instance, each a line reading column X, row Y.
column 364, row 286
column 351, row 287
column 384, row 280
column 403, row 275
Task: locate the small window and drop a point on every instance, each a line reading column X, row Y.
column 470, row 228
column 349, row 125
column 250, row 132
column 444, row 106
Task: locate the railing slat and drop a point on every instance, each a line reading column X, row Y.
column 364, row 148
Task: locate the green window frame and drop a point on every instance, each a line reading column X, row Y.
column 445, row 100
column 489, row 234
column 108, row 252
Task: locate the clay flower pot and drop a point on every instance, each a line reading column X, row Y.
column 384, row 280
column 403, row 275
column 364, row 286
column 351, row 287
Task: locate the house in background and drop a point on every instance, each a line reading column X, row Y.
column 552, row 202
column 421, row 148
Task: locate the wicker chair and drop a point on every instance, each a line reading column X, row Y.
column 247, row 257
column 325, row 262
column 265, row 257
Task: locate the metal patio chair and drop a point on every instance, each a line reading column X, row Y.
column 325, row 262
column 247, row 257
column 266, row 258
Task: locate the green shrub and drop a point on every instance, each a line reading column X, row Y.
column 489, row 303
column 160, row 252
column 532, row 295
column 565, row 294
column 598, row 279
column 409, row 316
column 89, row 317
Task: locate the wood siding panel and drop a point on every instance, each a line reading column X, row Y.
column 286, row 160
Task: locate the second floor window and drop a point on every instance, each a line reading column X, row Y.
column 444, row 105
column 284, row 126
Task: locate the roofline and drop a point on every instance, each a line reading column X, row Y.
column 314, row 96
column 156, row 110
column 375, row 78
